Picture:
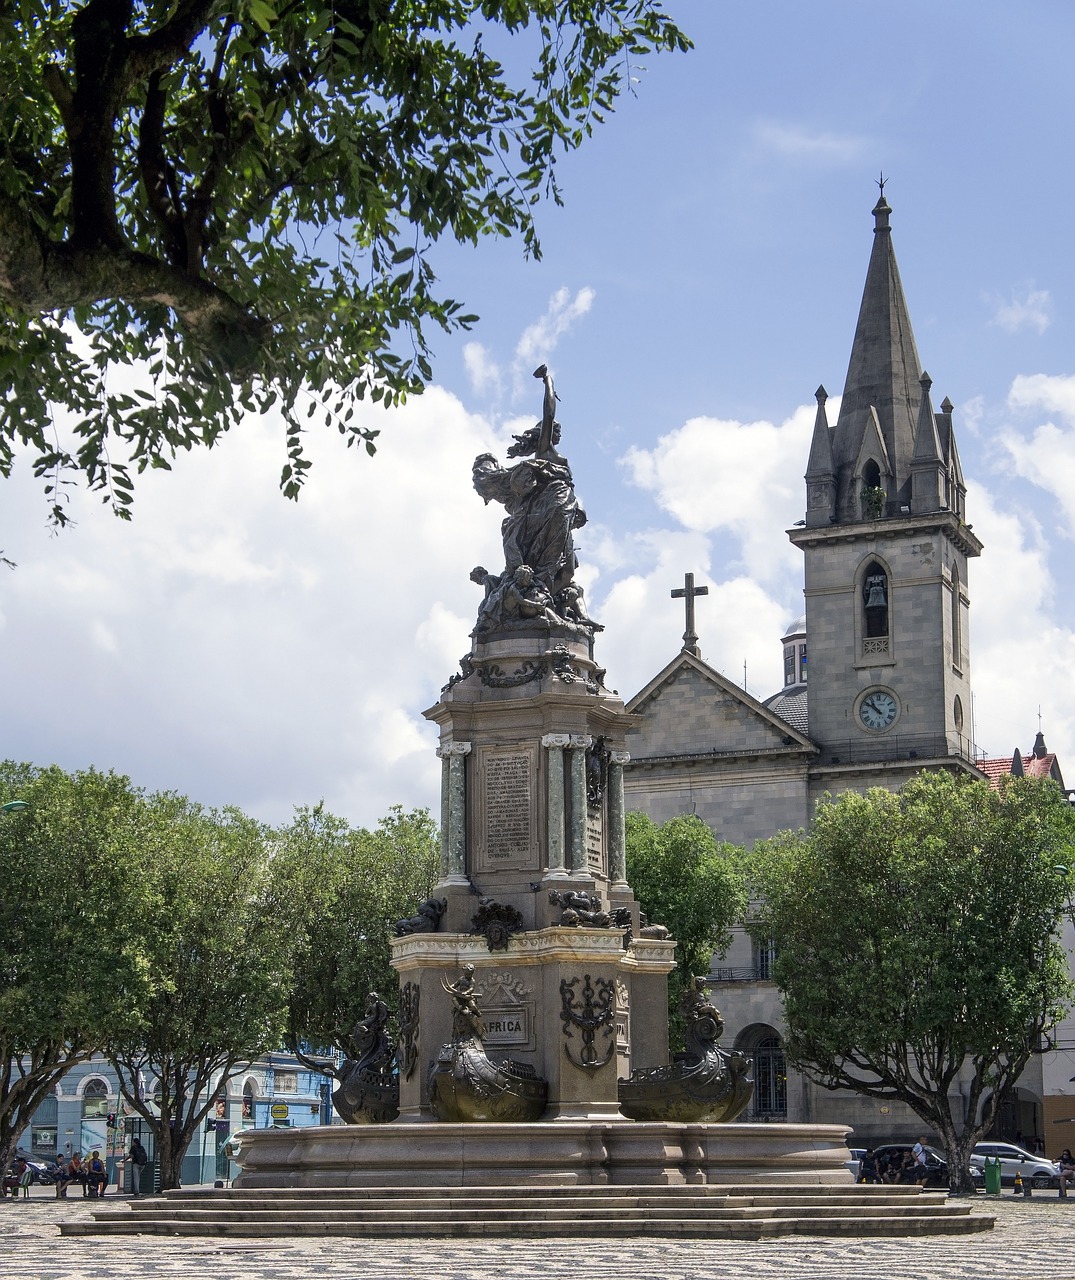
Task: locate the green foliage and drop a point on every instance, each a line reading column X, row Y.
column 239, row 199
column 71, row 969
column 917, row 941
column 218, row 937
column 363, row 882
column 683, row 877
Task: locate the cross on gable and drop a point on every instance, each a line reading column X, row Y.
column 686, row 593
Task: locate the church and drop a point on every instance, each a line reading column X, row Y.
column 876, row 682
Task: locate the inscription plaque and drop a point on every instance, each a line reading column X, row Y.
column 508, row 809
column 507, row 1026
column 595, row 856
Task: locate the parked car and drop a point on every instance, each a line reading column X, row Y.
column 936, row 1164
column 1041, row 1172
column 851, row 1164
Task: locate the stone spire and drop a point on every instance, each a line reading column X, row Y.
column 928, row 470
column 820, row 468
column 882, row 395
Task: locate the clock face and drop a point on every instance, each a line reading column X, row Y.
column 877, row 710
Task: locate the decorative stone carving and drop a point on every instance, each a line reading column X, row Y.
column 425, row 920
column 368, row 1089
column 597, row 761
column 493, row 677
column 589, row 1014
column 648, row 930
column 497, row 922
column 464, row 1085
column 564, row 669
column 702, row 1085
column 585, row 910
column 410, row 996
column 466, row 668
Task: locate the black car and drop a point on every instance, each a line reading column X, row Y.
column 936, row 1165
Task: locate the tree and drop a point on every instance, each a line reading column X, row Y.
column 71, row 971
column 683, row 877
column 917, row 944
column 217, row 938
column 240, row 199
column 366, row 881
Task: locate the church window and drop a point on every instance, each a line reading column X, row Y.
column 789, row 664
column 957, row 714
column 875, row 602
column 802, row 664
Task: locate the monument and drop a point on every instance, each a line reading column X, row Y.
column 533, row 1018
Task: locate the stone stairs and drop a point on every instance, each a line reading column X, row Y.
column 747, row 1212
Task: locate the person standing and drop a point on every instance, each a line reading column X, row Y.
column 139, row 1158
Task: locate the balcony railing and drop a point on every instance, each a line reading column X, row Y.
column 738, row 975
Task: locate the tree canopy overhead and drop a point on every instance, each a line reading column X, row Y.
column 917, row 943
column 240, row 197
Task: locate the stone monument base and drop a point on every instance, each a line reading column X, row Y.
column 557, row 1153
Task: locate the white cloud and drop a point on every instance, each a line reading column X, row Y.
column 794, row 142
column 1046, row 457
column 716, row 474
column 248, row 650
column 482, row 370
column 1044, row 391
column 1031, row 310
column 540, row 339
column 1022, row 657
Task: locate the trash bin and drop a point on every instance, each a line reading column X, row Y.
column 991, row 1170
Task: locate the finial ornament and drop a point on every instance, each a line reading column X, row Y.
column 881, row 183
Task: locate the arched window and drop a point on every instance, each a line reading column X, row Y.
column 957, row 640
column 770, row 1080
column 94, row 1100
column 875, row 602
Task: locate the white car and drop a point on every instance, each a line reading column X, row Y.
column 851, row 1164
column 1041, row 1172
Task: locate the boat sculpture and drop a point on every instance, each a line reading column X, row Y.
column 465, row 1086
column 368, row 1089
column 702, row 1085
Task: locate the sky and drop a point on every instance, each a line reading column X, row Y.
column 700, row 282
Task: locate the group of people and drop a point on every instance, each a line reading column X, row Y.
column 90, row 1174
column 906, row 1168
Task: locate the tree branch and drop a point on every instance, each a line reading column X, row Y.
column 157, row 50
column 37, row 276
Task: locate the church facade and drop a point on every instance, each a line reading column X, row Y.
column 876, row 673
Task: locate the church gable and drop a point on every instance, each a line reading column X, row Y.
column 690, row 709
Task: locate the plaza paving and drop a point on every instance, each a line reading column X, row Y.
column 1031, row 1237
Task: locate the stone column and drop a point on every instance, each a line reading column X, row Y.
column 580, row 743
column 555, row 743
column 617, row 838
column 456, row 753
column 445, row 810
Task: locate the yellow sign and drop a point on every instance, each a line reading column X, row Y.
column 278, row 1111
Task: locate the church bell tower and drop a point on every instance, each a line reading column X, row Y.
column 886, row 547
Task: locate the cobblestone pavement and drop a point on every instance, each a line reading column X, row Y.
column 1031, row 1237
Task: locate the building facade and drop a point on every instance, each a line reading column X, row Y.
column 876, row 673
column 87, row 1113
